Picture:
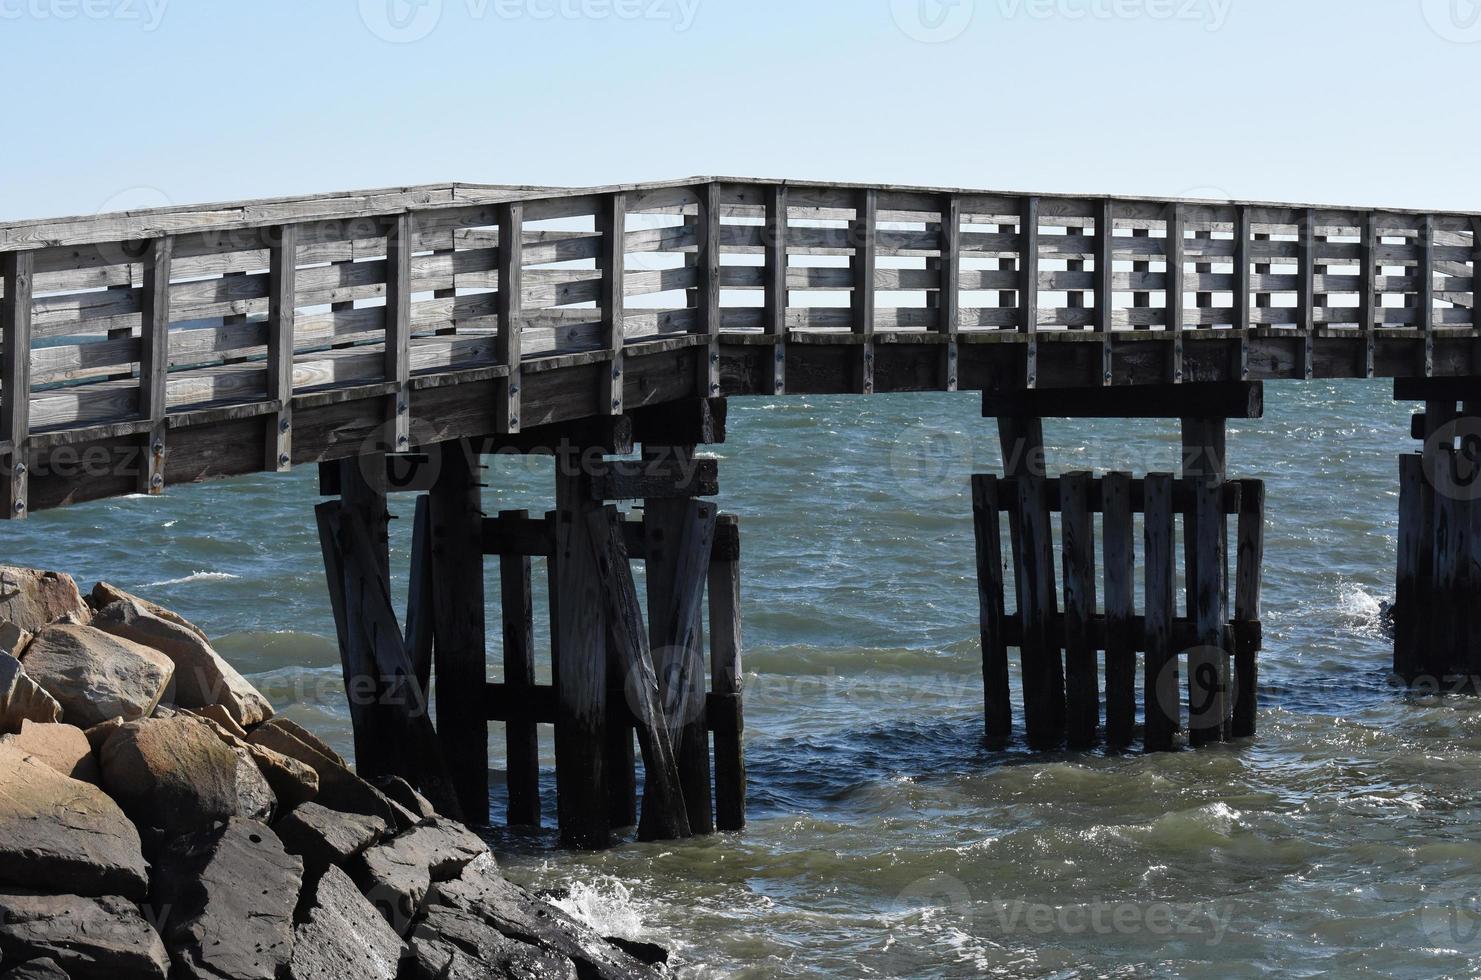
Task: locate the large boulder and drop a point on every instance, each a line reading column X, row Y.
column 45, row 968
column 91, row 938
column 22, row 699
column 13, row 639
column 339, row 789
column 95, row 676
column 324, row 837
column 402, row 792
column 396, row 875
column 293, row 783
column 63, row 747
column 61, row 834
column 452, row 945
column 32, row 599
column 105, row 594
column 481, row 892
column 202, row 677
column 344, row 936
column 228, row 895
column 175, row 775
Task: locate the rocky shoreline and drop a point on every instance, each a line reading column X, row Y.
column 158, row 821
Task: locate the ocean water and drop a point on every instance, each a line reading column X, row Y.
column 885, row 839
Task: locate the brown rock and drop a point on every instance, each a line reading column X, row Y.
column 63, row 747
column 99, row 734
column 176, row 775
column 292, row 782
column 308, row 738
column 222, row 717
column 13, row 639
column 339, row 789
column 202, row 676
column 324, row 837
column 105, row 594
column 22, row 699
column 61, row 834
column 95, row 676
column 228, row 896
column 344, row 936
column 91, row 938
column 395, row 875
column 31, row 599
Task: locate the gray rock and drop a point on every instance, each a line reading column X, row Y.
column 63, row 747
column 45, row 968
column 228, row 896
column 95, row 676
column 307, row 738
column 453, row 945
column 22, row 699
column 402, row 792
column 344, row 936
column 61, row 834
column 397, row 874
column 176, row 775
column 482, row 892
column 13, row 639
column 90, row 938
column 202, row 676
column 324, row 837
column 32, row 599
column 339, row 789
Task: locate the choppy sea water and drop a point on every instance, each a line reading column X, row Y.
column 885, row 840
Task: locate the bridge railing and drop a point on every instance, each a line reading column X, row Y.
column 128, row 326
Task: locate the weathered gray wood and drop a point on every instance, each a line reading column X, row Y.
column 1250, row 536
column 1226, row 399
column 421, row 612
column 282, row 311
column 1411, row 586
column 1208, row 661
column 1160, row 684
column 708, row 294
column 1176, row 224
column 1368, row 296
column 397, row 347
column 997, row 706
column 775, row 298
column 522, row 746
column 1105, row 296
column 510, row 302
column 613, row 224
column 1028, row 290
column 154, row 355
column 863, row 232
column 580, row 668
column 1077, row 539
column 657, row 478
column 1043, row 667
column 664, row 815
column 1120, row 580
column 949, row 290
column 1448, row 620
column 17, row 270
column 457, row 575
column 1425, row 293
column 727, row 679
column 360, row 687
column 1306, row 266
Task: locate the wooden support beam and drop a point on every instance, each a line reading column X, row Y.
column 154, row 359
column 1028, row 286
column 1077, row 539
column 1226, row 399
column 864, row 261
column 708, row 294
column 997, row 706
column 1160, row 683
column 664, row 815
column 1043, row 667
column 657, row 477
column 522, row 744
column 1250, row 538
column 686, row 422
column 774, row 314
column 509, row 305
column 399, row 244
column 726, row 679
column 371, row 738
column 613, row 228
column 281, row 319
column 457, row 575
column 1118, row 531
column 17, row 270
column 580, row 668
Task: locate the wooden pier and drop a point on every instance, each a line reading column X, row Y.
column 393, row 337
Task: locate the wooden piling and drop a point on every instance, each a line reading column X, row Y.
column 1120, row 575
column 521, row 738
column 1207, row 659
column 1250, row 533
column 1043, row 670
column 1077, row 538
column 726, row 684
column 997, row 707
column 1160, row 684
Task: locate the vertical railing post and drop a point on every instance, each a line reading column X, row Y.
column 282, row 273
column 1105, row 310
column 949, row 323
column 709, row 289
column 154, row 358
column 1368, row 297
column 398, row 329
column 1242, row 287
column 774, row 316
column 18, row 270
column 1476, row 273
column 1028, row 293
column 1306, row 287
column 862, row 234
column 1426, row 290
column 1174, row 287
column 510, row 307
column 613, row 226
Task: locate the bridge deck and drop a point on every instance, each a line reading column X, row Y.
column 179, row 344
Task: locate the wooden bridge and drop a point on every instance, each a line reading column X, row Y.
column 148, row 349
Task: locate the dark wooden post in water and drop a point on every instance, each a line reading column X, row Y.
column 1062, row 699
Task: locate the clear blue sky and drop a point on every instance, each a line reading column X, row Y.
column 119, row 103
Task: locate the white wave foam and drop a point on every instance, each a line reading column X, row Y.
column 607, row 905
column 192, row 577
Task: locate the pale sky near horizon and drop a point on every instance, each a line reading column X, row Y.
column 135, row 103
